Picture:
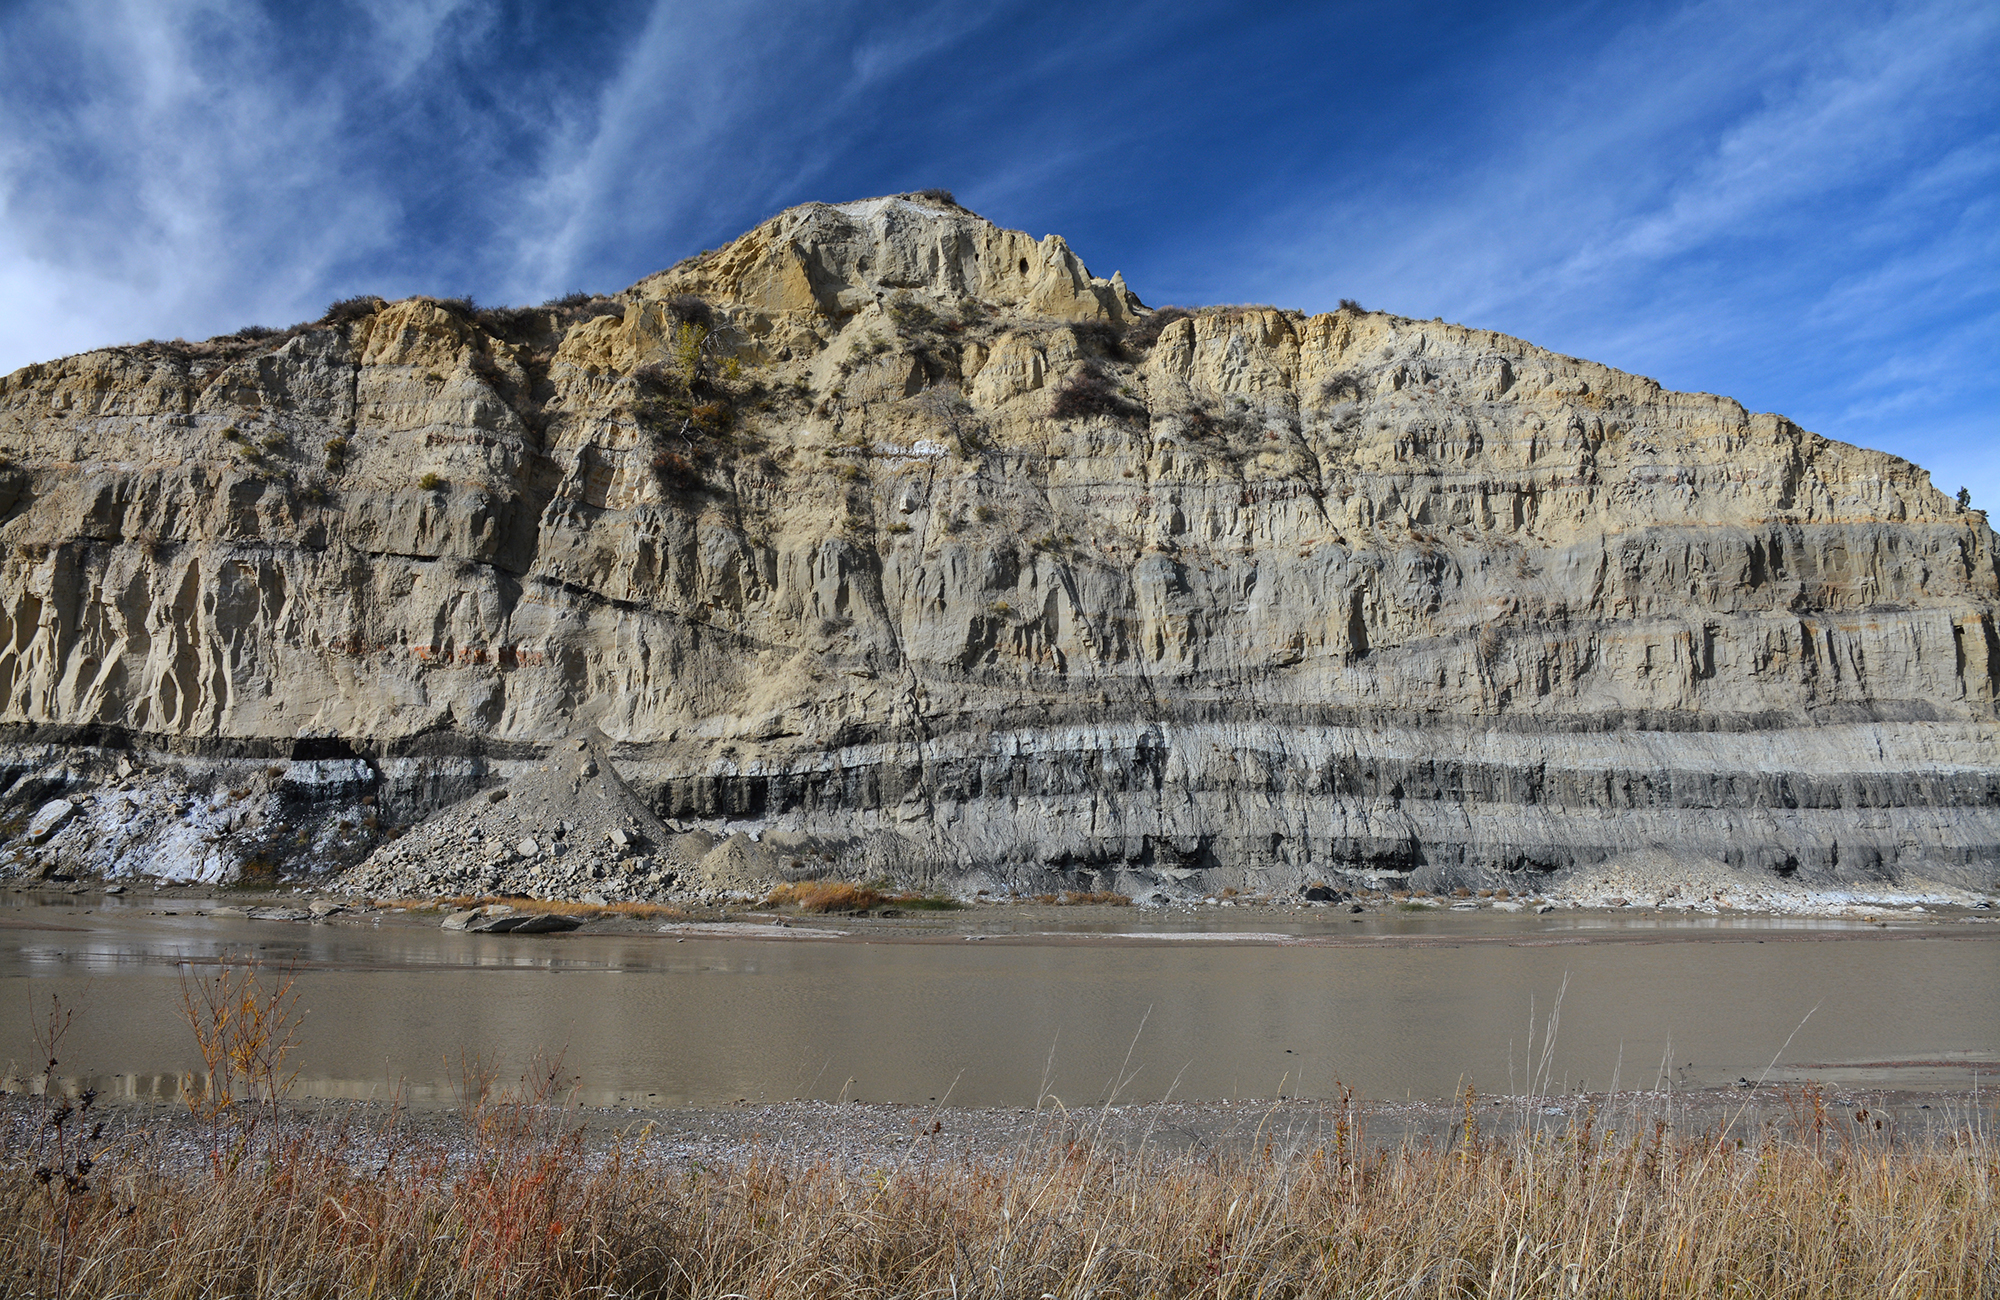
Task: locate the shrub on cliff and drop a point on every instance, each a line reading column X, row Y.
column 686, row 347
column 580, row 306
column 676, row 472
column 348, row 310
column 1145, row 332
column 911, row 315
column 1090, row 392
column 691, row 309
column 1345, row 383
column 507, row 321
column 1101, row 337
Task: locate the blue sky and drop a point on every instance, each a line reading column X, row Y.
column 1794, row 204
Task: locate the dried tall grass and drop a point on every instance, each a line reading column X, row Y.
column 1084, row 898
column 518, row 1206
column 825, row 896
column 846, row 896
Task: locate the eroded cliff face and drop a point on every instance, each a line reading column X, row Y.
column 904, row 539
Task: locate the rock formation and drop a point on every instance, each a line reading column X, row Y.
column 886, row 541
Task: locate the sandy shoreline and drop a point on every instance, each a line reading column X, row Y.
column 1383, row 921
column 884, row 1134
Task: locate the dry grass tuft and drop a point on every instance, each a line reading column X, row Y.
column 845, row 896
column 1082, row 897
column 518, row 1207
column 825, row 896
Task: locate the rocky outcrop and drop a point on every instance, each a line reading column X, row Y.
column 884, row 540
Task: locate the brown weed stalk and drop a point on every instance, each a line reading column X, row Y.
column 246, row 1030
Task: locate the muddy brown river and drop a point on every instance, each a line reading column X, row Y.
column 991, row 1009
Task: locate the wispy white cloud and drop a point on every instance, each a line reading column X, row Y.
column 890, row 49
column 1734, row 198
column 647, row 138
column 1836, row 116
column 714, row 109
column 180, row 182
column 406, row 33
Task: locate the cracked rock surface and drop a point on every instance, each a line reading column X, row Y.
column 886, row 542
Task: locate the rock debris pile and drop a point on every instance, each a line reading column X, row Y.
column 567, row 828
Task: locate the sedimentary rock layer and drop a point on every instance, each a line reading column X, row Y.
column 903, row 538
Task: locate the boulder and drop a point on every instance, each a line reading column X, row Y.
column 547, row 923
column 49, row 819
column 525, row 923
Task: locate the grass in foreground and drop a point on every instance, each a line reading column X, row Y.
column 518, row 1207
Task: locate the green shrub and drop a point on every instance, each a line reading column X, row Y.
column 431, row 481
column 684, row 351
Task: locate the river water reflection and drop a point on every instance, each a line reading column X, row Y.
column 985, row 1011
